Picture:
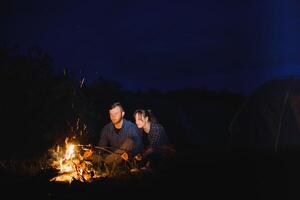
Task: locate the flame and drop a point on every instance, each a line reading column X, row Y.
column 70, row 152
column 71, row 165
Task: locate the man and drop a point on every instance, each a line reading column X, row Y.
column 121, row 135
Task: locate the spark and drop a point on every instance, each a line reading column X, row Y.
column 81, row 82
column 77, row 123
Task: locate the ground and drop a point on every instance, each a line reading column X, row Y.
column 200, row 175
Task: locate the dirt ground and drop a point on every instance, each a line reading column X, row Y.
column 194, row 174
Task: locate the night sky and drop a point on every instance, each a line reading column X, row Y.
column 220, row 44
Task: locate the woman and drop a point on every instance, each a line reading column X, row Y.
column 158, row 146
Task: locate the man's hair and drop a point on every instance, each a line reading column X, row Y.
column 116, row 104
column 146, row 113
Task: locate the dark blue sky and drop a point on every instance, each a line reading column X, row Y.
column 221, row 44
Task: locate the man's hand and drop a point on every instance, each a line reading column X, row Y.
column 124, row 156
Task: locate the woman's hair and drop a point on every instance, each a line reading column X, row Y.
column 145, row 113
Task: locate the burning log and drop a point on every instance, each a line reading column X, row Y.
column 75, row 162
column 71, row 165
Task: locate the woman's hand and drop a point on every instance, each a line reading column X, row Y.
column 138, row 157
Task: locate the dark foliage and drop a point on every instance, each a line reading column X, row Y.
column 40, row 108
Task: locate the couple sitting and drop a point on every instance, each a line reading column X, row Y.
column 125, row 138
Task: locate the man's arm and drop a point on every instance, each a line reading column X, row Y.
column 127, row 145
column 133, row 144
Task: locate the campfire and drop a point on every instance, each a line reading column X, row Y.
column 72, row 164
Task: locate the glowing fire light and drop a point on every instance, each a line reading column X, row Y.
column 72, row 165
column 70, row 151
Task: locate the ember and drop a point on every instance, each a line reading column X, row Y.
column 72, row 164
